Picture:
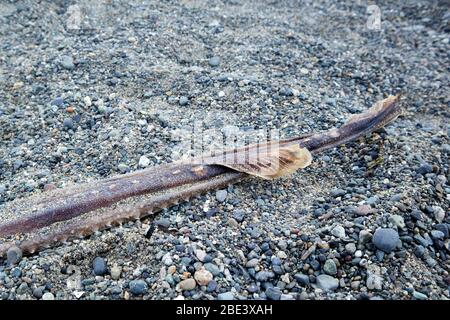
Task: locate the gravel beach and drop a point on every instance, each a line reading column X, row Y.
column 90, row 91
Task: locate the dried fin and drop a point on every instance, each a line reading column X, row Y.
column 272, row 164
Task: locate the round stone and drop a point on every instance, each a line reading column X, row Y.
column 327, row 283
column 138, row 287
column 214, row 61
column 385, row 239
column 203, row 276
column 330, row 267
column 99, row 266
column 13, row 255
column 338, row 232
column 48, row 296
column 188, row 284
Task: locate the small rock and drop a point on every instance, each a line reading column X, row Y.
column 419, row 295
column 87, row 101
column 302, row 278
column 203, row 276
column 436, row 234
column 123, row 168
column 13, row 255
column 187, row 285
column 238, row 215
column 57, row 102
column 225, row 296
column 214, row 61
column 263, row 276
column 99, row 266
column 385, row 239
column 273, row 293
column 364, row 236
column 424, row 168
column 221, row 195
column 144, row 162
column 330, row 267
column 116, row 272
column 183, row 101
column 138, row 287
column 163, row 222
column 439, row 213
column 67, row 62
column 363, row 210
column 214, row 269
column 338, row 232
column 200, row 254
column 398, row 221
column 374, row 282
column 350, row 248
column 48, row 296
column 327, row 283
column 68, row 123
column 252, row 263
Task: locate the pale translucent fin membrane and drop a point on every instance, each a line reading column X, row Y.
column 272, row 164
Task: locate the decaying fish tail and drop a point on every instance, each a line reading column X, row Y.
column 268, row 160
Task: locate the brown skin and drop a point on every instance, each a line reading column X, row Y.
column 168, row 178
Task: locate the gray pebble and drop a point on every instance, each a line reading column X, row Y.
column 138, row 287
column 221, row 195
column 385, row 239
column 99, row 266
column 214, row 61
column 13, row 255
column 225, row 296
column 326, row 282
column 67, row 62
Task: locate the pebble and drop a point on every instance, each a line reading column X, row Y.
column 116, row 272
column 374, row 282
column 221, row 195
column 138, row 287
column 398, row 221
column 225, row 296
column 385, row 239
column 67, row 62
column 87, row 101
column 187, row 284
column 68, row 123
column 419, row 295
column 326, row 282
column 163, row 222
column 350, row 248
column 302, row 278
column 183, row 101
column 200, row 254
column 99, row 266
column 364, row 236
column 238, row 215
column 48, row 296
column 214, row 269
column 273, row 293
column 144, row 162
column 57, row 102
column 38, row 292
column 263, row 276
column 363, row 210
column 203, row 276
column 424, row 168
column 13, row 255
column 439, row 213
column 338, row 231
column 330, row 267
column 214, row 61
